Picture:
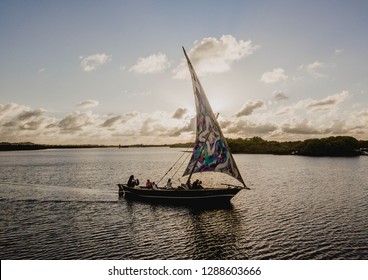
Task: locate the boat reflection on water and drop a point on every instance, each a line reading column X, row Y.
column 196, row 232
column 213, row 234
column 189, row 204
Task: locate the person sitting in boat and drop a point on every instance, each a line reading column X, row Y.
column 132, row 182
column 195, row 185
column 169, row 184
column 154, row 186
column 149, row 184
column 200, row 185
column 183, row 187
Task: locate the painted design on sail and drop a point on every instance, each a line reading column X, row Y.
column 211, row 151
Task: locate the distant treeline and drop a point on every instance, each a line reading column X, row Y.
column 6, row 146
column 331, row 146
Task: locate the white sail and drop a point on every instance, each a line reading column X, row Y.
column 211, row 151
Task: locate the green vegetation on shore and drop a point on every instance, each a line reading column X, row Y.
column 331, row 146
column 6, row 146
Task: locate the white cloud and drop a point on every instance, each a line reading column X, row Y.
column 115, row 120
column 94, row 61
column 111, row 121
column 151, row 64
column 19, row 123
column 338, row 127
column 76, row 121
column 314, row 69
column 249, row 107
column 280, row 95
column 300, row 127
column 277, row 74
column 248, row 128
column 87, row 104
column 328, row 102
column 285, row 111
column 180, row 113
column 338, row 51
column 212, row 55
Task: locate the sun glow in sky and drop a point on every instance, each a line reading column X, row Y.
column 113, row 72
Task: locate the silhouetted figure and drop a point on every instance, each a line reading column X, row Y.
column 132, row 182
column 200, row 185
column 169, row 184
column 149, row 184
column 195, row 185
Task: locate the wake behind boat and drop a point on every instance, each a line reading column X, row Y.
column 211, row 153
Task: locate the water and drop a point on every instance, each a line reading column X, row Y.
column 63, row 204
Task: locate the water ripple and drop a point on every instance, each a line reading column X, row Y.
column 61, row 206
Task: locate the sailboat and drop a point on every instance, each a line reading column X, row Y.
column 211, row 153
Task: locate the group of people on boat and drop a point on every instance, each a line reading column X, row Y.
column 132, row 182
column 151, row 185
column 197, row 185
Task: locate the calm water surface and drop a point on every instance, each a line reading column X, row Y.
column 63, row 204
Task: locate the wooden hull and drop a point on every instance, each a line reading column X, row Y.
column 176, row 196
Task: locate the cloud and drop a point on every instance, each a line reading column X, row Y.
column 338, row 51
column 76, row 121
column 300, row 127
column 249, row 107
column 10, row 110
column 94, row 61
column 363, row 114
column 212, row 55
column 338, row 127
column 248, row 128
column 284, row 111
column 17, row 121
column 112, row 121
column 188, row 127
column 154, row 63
column 328, row 102
column 87, row 104
column 180, row 113
column 280, row 95
column 30, row 114
column 21, row 117
column 314, row 68
column 277, row 74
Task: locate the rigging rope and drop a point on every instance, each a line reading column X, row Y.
column 188, row 154
column 186, row 151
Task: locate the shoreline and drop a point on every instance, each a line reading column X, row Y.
column 336, row 146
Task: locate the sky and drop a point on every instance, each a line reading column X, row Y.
column 113, row 72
